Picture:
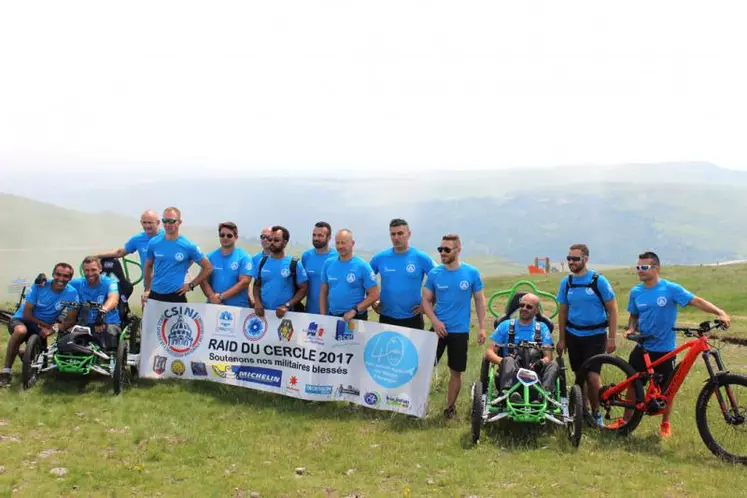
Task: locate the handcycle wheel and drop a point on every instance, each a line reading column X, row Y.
column 477, row 409
column 121, row 372
column 575, row 410
column 612, row 371
column 30, row 373
column 727, row 439
column 134, row 346
column 484, row 373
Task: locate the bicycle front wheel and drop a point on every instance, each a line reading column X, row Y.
column 721, row 416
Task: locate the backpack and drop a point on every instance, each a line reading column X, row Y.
column 594, row 286
column 298, row 307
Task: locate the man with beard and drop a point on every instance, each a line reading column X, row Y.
column 526, row 328
column 450, row 286
column 348, row 283
column 139, row 242
column 280, row 281
column 402, row 269
column 169, row 257
column 313, row 262
column 39, row 314
column 232, row 270
column 587, row 311
column 102, row 290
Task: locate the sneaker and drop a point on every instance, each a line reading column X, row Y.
column 4, row 379
column 598, row 418
column 616, row 424
column 665, row 430
column 450, row 412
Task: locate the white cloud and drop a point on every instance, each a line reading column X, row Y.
column 395, row 86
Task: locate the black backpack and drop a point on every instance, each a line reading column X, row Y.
column 298, row 307
column 594, row 286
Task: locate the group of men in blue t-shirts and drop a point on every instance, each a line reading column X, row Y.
column 334, row 281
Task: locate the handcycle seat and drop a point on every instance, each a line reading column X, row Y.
column 78, row 342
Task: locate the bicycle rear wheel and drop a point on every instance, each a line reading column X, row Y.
column 723, row 427
column 612, row 371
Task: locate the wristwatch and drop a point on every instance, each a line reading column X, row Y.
column 191, row 286
column 220, row 297
column 287, row 305
column 355, row 310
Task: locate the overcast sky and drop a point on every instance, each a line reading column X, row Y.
column 379, row 86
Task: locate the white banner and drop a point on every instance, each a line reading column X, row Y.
column 305, row 356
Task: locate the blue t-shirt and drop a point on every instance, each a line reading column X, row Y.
column 97, row 294
column 226, row 273
column 453, row 290
column 139, row 243
column 401, row 280
column 277, row 287
column 657, row 312
column 347, row 281
column 47, row 303
column 521, row 333
column 171, row 260
column 313, row 262
column 584, row 307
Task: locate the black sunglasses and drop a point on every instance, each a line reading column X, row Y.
column 226, row 235
column 526, row 306
column 447, row 250
column 265, row 237
column 573, row 258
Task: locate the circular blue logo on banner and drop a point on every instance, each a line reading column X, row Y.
column 391, row 359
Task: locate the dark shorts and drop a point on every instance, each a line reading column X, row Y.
column 32, row 328
column 665, row 369
column 581, row 348
column 414, row 322
column 172, row 297
column 456, row 345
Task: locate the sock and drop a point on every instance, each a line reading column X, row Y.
column 6, row 370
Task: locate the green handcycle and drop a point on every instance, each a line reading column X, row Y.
column 533, row 404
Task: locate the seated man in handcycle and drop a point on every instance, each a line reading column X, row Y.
column 104, row 321
column 40, row 314
column 526, row 328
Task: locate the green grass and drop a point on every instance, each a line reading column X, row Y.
column 197, row 438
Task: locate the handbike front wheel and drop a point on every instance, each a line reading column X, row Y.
column 575, row 410
column 618, row 410
column 477, row 409
column 31, row 358
column 721, row 416
column 121, row 376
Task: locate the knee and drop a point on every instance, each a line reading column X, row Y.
column 20, row 331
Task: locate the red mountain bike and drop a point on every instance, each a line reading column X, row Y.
column 721, row 409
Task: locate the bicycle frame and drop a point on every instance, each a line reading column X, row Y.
column 696, row 347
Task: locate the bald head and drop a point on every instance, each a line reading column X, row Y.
column 530, row 298
column 150, row 222
column 344, row 243
column 265, row 237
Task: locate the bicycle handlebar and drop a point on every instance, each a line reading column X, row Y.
column 700, row 330
column 89, row 304
column 528, row 345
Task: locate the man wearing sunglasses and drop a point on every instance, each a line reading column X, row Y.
column 265, row 240
column 40, row 313
column 313, row 262
column 451, row 286
column 139, row 242
column 232, row 270
column 349, row 285
column 525, row 329
column 105, row 291
column 169, row 256
column 653, row 306
column 280, row 281
column 402, row 269
column 588, row 309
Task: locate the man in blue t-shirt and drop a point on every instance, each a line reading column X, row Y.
column 169, row 256
column 40, row 313
column 451, row 286
column 653, row 306
column 587, row 311
column 402, row 269
column 525, row 329
column 232, row 270
column 138, row 242
column 275, row 287
column 348, row 283
column 265, row 240
column 104, row 291
column 313, row 261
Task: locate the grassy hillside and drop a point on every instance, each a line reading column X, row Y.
column 177, row 438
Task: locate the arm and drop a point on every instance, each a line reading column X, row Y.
column 241, row 286
column 301, row 291
column 372, row 294
column 114, row 253
column 546, row 357
column 479, row 298
column 632, row 325
column 28, row 310
column 147, row 279
column 562, row 320
column 207, row 289
column 257, row 293
column 709, row 307
column 611, row 306
column 206, row 268
column 491, row 353
column 438, row 325
column 323, row 293
column 70, row 320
